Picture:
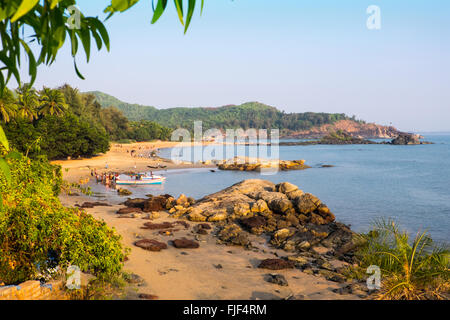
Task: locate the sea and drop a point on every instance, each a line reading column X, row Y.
column 409, row 184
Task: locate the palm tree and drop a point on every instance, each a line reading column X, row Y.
column 52, row 102
column 28, row 102
column 8, row 106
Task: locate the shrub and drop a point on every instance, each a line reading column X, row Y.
column 37, row 232
column 411, row 270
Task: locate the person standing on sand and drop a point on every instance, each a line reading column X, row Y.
column 106, row 165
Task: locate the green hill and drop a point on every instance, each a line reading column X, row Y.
column 248, row 115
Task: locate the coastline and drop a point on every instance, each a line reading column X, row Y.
column 213, row 271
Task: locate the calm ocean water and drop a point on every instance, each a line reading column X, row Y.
column 408, row 183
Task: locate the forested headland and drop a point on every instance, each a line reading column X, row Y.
column 248, row 115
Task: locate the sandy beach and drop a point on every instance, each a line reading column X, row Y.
column 120, row 158
column 211, row 271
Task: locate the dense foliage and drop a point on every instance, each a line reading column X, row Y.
column 37, row 232
column 248, row 115
column 63, row 122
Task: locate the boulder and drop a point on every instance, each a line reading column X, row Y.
column 182, row 200
column 294, row 194
column 151, row 245
column 233, row 234
column 124, row 192
column 196, row 215
column 128, row 210
column 154, row 215
column 254, row 224
column 156, row 203
column 277, row 279
column 241, row 209
column 276, row 264
column 135, row 203
column 185, row 244
column 147, row 296
column 282, row 234
column 92, row 204
column 307, row 203
column 286, row 187
column 155, row 226
column 218, row 216
column 260, row 206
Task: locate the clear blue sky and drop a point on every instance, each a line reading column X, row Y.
column 297, row 55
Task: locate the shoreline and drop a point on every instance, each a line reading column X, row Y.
column 119, row 159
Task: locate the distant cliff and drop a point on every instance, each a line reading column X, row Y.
column 354, row 128
column 251, row 115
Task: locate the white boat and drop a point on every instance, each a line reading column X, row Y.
column 141, row 179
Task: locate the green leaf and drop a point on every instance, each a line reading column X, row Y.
column 160, row 7
column 86, row 41
column 24, row 8
column 77, row 71
column 54, row 3
column 122, row 5
column 101, row 29
column 190, row 12
column 4, row 167
column 14, row 155
column 32, row 69
column 74, row 42
column 11, row 66
column 179, row 6
column 3, row 139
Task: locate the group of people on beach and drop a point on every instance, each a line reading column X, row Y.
column 109, row 178
column 106, row 178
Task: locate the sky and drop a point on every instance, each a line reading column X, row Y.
column 296, row 55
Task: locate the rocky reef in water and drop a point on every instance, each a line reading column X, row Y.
column 256, row 164
column 342, row 138
column 408, row 139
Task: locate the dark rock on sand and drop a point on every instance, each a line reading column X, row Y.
column 155, row 203
column 278, row 279
column 135, row 279
column 155, row 226
column 135, row 203
column 129, row 210
column 147, row 296
column 276, row 264
column 185, row 244
column 151, row 245
column 92, row 204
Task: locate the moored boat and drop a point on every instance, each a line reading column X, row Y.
column 141, row 179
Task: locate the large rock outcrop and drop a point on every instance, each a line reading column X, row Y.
column 408, row 139
column 295, row 221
